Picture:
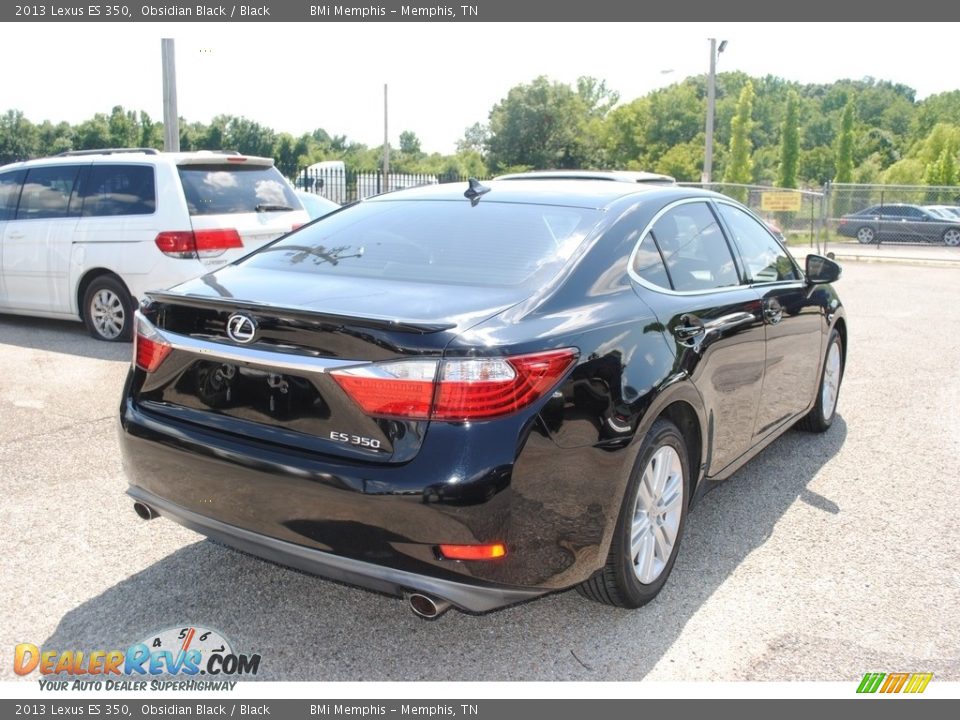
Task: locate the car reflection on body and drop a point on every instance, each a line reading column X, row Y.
column 476, row 394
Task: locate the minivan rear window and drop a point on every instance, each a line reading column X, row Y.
column 436, row 241
column 219, row 189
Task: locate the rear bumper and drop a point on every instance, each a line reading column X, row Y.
column 473, row 598
column 378, row 526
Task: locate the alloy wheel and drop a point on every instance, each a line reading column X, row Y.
column 656, row 517
column 831, row 382
column 107, row 314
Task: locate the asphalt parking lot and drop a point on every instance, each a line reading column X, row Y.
column 824, row 558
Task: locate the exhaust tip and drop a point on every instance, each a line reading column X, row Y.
column 427, row 607
column 144, row 512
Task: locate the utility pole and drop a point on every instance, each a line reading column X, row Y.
column 171, row 120
column 711, row 107
column 386, row 144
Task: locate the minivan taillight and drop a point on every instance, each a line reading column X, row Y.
column 198, row 243
column 149, row 347
column 457, row 389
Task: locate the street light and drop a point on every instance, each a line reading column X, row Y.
column 711, row 106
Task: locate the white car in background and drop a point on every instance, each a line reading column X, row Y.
column 84, row 234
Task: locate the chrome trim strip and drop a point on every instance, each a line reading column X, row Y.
column 670, row 291
column 248, row 355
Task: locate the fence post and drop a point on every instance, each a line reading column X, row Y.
column 824, row 217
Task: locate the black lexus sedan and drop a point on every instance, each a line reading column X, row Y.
column 473, row 395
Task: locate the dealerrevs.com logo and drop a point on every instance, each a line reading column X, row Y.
column 188, row 651
column 887, row 683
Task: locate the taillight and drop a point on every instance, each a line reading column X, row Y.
column 455, row 390
column 474, row 389
column 198, row 243
column 396, row 389
column 149, row 347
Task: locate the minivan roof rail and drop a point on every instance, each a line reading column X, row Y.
column 109, row 151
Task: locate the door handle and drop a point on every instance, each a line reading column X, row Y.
column 690, row 326
column 732, row 320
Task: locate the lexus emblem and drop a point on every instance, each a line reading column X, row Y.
column 241, row 328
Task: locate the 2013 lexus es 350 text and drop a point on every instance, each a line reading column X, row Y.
column 476, row 394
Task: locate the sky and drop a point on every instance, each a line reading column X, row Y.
column 442, row 77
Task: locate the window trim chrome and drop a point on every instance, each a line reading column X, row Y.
column 670, row 291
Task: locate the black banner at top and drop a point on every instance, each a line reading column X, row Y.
column 321, row 11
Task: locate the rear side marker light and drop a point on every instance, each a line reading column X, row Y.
column 454, row 390
column 149, row 347
column 472, row 552
column 198, row 243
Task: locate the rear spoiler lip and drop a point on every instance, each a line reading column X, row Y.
column 225, row 160
column 282, row 312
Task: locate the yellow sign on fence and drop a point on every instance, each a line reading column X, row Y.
column 783, row 201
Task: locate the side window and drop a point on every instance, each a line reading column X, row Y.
column 648, row 264
column 46, row 192
column 10, row 184
column 764, row 257
column 694, row 249
column 119, row 190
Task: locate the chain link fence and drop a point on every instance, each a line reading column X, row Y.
column 839, row 213
column 875, row 214
column 798, row 216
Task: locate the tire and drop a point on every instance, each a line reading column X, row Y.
column 951, row 237
column 633, row 576
column 108, row 310
column 865, row 235
column 821, row 416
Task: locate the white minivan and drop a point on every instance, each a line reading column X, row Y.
column 85, row 234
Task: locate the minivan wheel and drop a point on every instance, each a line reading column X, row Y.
column 650, row 524
column 865, row 235
column 821, row 416
column 108, row 310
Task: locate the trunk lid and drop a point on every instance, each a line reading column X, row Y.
column 277, row 388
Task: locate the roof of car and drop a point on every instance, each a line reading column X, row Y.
column 575, row 193
column 630, row 176
column 134, row 155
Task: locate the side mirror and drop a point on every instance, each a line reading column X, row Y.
column 820, row 269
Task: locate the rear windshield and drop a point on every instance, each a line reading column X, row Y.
column 446, row 242
column 219, row 189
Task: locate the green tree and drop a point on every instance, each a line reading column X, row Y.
column 816, row 165
column 474, row 139
column 123, row 128
column 845, row 141
column 410, row 143
column 683, row 161
column 18, row 137
column 740, row 165
column 544, row 125
column 790, row 143
column 943, row 171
